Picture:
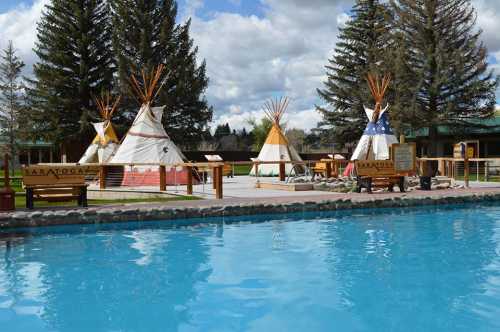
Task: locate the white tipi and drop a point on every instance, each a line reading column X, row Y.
column 106, row 142
column 276, row 146
column 378, row 135
column 146, row 140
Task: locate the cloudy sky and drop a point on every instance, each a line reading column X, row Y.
column 255, row 49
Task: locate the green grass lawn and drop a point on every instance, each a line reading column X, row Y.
column 242, row 169
column 21, row 201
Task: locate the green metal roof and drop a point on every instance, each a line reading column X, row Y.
column 493, row 123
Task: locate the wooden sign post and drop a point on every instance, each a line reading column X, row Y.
column 404, row 157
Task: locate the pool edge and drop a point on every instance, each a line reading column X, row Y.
column 156, row 212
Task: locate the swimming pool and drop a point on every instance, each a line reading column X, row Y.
column 366, row 270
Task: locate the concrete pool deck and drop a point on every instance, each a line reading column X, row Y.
column 237, row 187
column 237, row 206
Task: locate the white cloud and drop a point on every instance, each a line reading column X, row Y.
column 303, row 119
column 250, row 58
column 19, row 25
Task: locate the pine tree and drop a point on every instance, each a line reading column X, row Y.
column 160, row 40
column 447, row 65
column 361, row 49
column 75, row 64
column 11, row 105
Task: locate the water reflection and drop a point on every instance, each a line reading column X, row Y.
column 431, row 270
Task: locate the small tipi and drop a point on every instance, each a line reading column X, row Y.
column 276, row 146
column 106, row 142
column 378, row 135
column 147, row 141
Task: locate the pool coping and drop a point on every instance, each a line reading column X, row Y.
column 240, row 206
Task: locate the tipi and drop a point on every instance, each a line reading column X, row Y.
column 276, row 146
column 378, row 135
column 106, row 142
column 146, row 141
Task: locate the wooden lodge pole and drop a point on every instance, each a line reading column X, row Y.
column 102, row 177
column 189, row 189
column 282, row 171
column 163, row 178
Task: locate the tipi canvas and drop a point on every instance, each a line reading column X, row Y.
column 377, row 138
column 276, row 146
column 147, row 142
column 106, row 142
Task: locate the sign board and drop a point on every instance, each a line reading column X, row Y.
column 459, row 151
column 404, row 156
column 56, row 175
column 374, row 168
column 470, row 152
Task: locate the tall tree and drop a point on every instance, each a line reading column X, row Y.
column 75, row 63
column 447, row 64
column 146, row 34
column 361, row 49
column 11, row 105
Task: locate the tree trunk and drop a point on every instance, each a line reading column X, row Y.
column 432, row 147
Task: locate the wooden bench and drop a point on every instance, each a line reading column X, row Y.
column 377, row 174
column 55, row 184
column 56, row 193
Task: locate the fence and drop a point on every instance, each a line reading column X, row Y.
column 189, row 174
column 480, row 169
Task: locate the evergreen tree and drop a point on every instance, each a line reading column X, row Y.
column 11, row 105
column 75, row 64
column 222, row 130
column 447, row 65
column 145, row 35
column 361, row 49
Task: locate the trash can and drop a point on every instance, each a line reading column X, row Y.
column 425, row 182
column 7, row 199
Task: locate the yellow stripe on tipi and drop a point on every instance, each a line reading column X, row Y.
column 276, row 136
column 109, row 136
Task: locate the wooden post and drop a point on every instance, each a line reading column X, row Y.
column 328, row 171
column 214, row 177
column 466, row 170
column 163, row 178
column 441, row 167
column 189, row 189
column 282, row 171
column 51, row 155
column 29, row 156
column 218, row 190
column 336, row 168
column 257, row 182
column 486, row 171
column 40, row 156
column 102, row 177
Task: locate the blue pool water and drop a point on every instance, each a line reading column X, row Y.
column 413, row 270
